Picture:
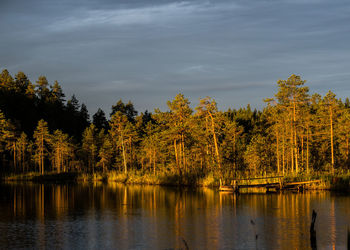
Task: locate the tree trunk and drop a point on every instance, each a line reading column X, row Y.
column 215, row 140
column 302, row 150
column 207, row 142
column 183, row 152
column 131, row 160
column 42, row 154
column 124, row 155
column 180, row 156
column 176, row 157
column 292, row 145
column 22, row 148
column 150, row 160
column 347, row 149
column 58, row 160
column 283, row 159
column 295, row 140
column 93, row 161
column 277, row 151
column 154, row 161
column 14, row 156
column 332, row 146
column 234, row 153
column 307, row 150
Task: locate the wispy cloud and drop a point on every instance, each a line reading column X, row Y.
column 135, row 16
column 194, row 69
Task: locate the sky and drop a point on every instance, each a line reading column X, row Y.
column 149, row 51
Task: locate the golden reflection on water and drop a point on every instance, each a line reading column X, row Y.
column 150, row 216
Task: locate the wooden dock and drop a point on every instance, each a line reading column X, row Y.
column 274, row 183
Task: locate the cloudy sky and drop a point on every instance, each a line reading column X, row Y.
column 148, row 51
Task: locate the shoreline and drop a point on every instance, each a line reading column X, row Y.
column 336, row 182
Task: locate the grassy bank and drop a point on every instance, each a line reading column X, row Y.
column 132, row 177
column 338, row 181
column 47, row 177
column 138, row 177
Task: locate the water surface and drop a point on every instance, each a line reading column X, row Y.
column 115, row 216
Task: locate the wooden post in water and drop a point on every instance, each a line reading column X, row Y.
column 280, row 183
column 348, row 239
column 235, row 186
column 313, row 232
column 185, row 243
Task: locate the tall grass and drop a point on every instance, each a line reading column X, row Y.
column 340, row 180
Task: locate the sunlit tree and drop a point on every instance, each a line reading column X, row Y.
column 22, row 150
column 89, row 146
column 62, row 150
column 105, row 154
column 180, row 112
column 41, row 141
column 207, row 108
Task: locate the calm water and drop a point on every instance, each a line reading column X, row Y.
column 115, row 216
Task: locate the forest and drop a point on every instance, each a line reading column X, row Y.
column 295, row 133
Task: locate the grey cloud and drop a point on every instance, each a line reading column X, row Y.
column 148, row 51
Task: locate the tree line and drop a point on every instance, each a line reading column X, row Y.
column 295, row 132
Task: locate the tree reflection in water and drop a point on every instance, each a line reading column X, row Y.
column 117, row 216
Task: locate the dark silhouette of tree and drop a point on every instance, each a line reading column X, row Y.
column 99, row 120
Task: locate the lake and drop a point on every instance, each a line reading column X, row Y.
column 117, row 216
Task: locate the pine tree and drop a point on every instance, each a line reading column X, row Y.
column 126, row 109
column 151, row 145
column 291, row 96
column 99, row 120
column 232, row 132
column 30, row 91
column 11, row 140
column 21, row 82
column 84, row 114
column 256, row 155
column 4, row 131
column 42, row 88
column 41, row 141
column 57, row 93
column 105, row 154
column 62, row 150
column 343, row 128
column 119, row 125
column 89, row 145
column 180, row 113
column 22, row 150
column 330, row 111
column 208, row 109
column 6, row 79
